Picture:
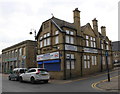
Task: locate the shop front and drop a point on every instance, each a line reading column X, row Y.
column 49, row 61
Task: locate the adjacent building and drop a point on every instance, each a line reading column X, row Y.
column 21, row 55
column 69, row 50
column 116, row 51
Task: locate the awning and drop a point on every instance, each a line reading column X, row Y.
column 50, row 61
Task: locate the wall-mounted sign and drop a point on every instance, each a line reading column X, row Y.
column 11, row 59
column 23, row 57
column 54, row 55
column 70, row 47
column 90, row 50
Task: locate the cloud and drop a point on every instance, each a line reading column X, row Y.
column 17, row 17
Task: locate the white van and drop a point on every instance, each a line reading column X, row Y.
column 14, row 75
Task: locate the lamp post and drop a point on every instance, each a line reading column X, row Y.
column 35, row 50
column 106, row 54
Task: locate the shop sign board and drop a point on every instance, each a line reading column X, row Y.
column 90, row 50
column 54, row 55
column 70, row 47
column 11, row 59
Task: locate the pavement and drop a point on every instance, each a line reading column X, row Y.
column 104, row 85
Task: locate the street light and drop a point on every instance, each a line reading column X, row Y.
column 35, row 44
column 106, row 54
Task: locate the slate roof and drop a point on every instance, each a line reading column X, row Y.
column 59, row 24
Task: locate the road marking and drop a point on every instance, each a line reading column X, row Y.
column 94, row 85
column 86, row 78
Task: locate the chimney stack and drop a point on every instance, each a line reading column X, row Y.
column 95, row 24
column 103, row 30
column 76, row 17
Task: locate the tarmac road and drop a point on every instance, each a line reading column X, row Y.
column 75, row 85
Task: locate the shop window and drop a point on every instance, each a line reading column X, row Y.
column 70, row 61
column 86, row 61
column 94, row 62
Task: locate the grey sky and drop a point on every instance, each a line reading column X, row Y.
column 18, row 17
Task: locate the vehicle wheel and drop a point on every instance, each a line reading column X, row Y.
column 20, row 79
column 46, row 81
column 9, row 78
column 32, row 80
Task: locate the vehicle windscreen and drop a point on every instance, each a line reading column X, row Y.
column 42, row 70
column 23, row 70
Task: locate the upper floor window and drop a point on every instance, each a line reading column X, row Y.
column 56, row 39
column 41, row 38
column 69, row 32
column 69, row 39
column 46, row 40
column 56, row 32
column 87, row 40
column 48, row 34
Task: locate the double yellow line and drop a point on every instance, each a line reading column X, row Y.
column 70, row 81
column 94, row 85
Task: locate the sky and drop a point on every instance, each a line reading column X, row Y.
column 19, row 17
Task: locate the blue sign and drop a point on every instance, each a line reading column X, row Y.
column 50, row 61
column 106, row 53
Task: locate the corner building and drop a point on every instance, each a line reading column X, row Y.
column 69, row 50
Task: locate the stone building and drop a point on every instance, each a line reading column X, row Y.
column 116, row 51
column 69, row 50
column 21, row 55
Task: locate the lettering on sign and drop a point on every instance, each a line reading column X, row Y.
column 89, row 50
column 54, row 55
column 71, row 47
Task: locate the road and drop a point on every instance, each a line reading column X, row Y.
column 76, row 85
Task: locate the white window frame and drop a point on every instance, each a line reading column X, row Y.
column 45, row 35
column 67, row 38
column 72, row 40
column 88, row 64
column 45, row 42
column 67, row 32
column 71, row 33
column 48, row 34
column 85, row 64
column 56, row 32
column 87, row 37
column 41, row 45
column 87, row 43
column 56, row 39
column 48, row 41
